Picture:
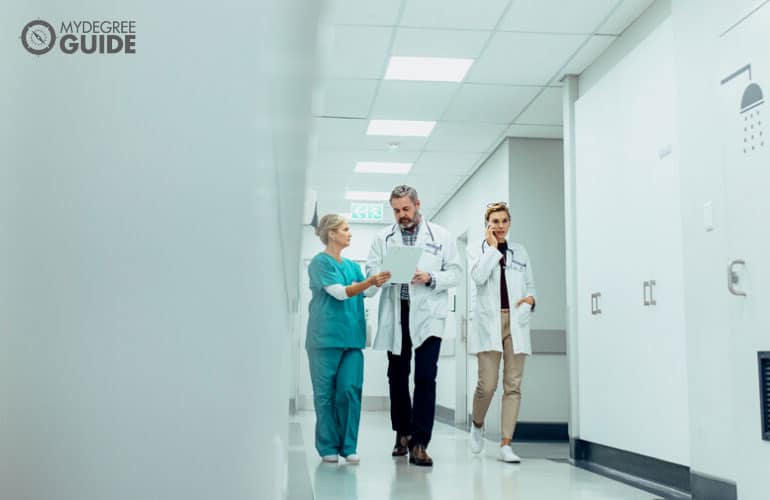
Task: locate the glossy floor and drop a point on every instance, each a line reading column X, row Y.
column 543, row 474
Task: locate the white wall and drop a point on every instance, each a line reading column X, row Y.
column 139, row 319
column 622, row 121
column 714, row 421
column 537, row 221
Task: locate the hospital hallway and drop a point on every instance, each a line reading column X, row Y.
column 545, row 472
column 546, row 215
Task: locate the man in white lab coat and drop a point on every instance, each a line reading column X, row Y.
column 412, row 317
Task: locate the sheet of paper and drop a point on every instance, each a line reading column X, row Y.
column 401, row 261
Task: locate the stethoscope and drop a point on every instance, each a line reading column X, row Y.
column 508, row 262
column 395, row 226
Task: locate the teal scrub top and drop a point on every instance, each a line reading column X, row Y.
column 332, row 322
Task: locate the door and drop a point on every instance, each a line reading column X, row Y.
column 602, row 234
column 745, row 67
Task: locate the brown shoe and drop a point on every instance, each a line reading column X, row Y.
column 418, row 455
column 400, row 448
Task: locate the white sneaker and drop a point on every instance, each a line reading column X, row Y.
column 330, row 459
column 506, row 454
column 353, row 459
column 477, row 438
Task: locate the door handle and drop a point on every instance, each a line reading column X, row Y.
column 733, row 278
column 645, row 285
column 595, row 303
column 652, row 298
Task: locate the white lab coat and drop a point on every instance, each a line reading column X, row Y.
column 486, row 324
column 427, row 306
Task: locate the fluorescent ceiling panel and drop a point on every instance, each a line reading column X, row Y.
column 367, row 195
column 404, row 128
column 382, row 167
column 432, row 69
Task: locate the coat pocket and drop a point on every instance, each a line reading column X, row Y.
column 523, row 314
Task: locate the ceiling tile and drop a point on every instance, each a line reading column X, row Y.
column 374, row 182
column 523, row 58
column 346, row 98
column 595, row 46
column 438, row 164
column 465, row 137
column 546, row 109
column 535, row 131
column 377, row 12
column 338, row 132
column 356, row 52
column 332, row 201
column 333, row 133
column 382, row 143
column 489, row 103
column 439, row 43
column 328, row 161
column 624, row 16
column 557, row 16
column 480, row 14
column 403, row 100
column 431, row 189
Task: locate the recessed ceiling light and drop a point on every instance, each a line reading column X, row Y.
column 409, row 128
column 367, row 195
column 382, row 167
column 432, row 69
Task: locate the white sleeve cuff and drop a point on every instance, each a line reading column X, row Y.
column 337, row 291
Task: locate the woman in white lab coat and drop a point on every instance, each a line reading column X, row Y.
column 505, row 298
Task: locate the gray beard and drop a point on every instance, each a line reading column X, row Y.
column 415, row 221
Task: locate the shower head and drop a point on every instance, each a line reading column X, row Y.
column 752, row 97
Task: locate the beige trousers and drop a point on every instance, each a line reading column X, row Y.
column 513, row 370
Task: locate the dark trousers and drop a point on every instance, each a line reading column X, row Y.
column 407, row 418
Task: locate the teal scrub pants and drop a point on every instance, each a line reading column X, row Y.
column 338, row 378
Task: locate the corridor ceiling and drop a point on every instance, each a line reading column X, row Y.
column 521, row 49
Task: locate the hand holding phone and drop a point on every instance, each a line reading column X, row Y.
column 490, row 236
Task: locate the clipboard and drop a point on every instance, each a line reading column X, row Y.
column 401, row 262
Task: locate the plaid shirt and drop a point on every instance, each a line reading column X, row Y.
column 410, row 239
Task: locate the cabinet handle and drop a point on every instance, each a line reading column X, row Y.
column 645, row 285
column 652, row 298
column 732, row 277
column 595, row 303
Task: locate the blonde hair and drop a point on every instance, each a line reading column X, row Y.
column 327, row 224
column 496, row 207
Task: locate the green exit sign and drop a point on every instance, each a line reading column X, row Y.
column 365, row 211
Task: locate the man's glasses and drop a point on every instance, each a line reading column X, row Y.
column 497, row 204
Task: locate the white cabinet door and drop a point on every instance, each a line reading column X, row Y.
column 632, row 357
column 601, row 244
column 653, row 187
column 746, row 154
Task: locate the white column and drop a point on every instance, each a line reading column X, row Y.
column 570, row 95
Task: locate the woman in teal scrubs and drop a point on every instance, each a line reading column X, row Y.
column 336, row 334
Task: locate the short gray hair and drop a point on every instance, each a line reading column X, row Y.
column 404, row 190
column 327, row 224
